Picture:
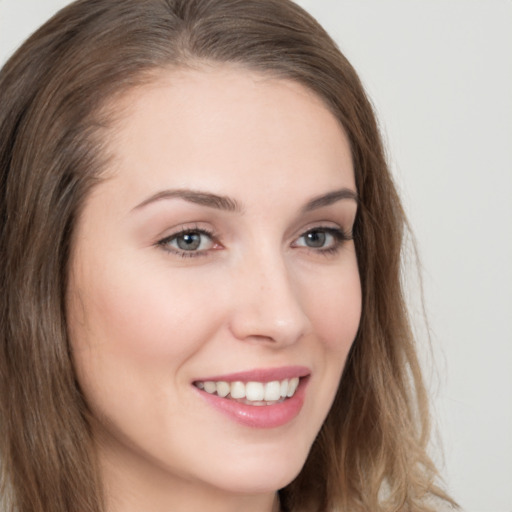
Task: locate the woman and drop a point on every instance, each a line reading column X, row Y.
column 201, row 245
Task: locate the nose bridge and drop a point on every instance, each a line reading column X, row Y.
column 267, row 304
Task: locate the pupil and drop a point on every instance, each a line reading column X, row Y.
column 315, row 239
column 189, row 241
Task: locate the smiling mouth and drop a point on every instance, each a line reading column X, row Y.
column 252, row 392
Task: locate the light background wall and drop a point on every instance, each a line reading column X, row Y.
column 440, row 75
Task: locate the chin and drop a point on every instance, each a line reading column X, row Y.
column 274, row 476
column 265, row 470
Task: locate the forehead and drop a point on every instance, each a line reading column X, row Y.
column 227, row 127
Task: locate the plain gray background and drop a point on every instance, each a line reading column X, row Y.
column 440, row 75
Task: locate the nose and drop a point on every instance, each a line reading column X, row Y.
column 266, row 302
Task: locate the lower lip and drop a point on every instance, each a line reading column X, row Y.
column 260, row 416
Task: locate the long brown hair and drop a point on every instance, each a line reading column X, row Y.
column 54, row 94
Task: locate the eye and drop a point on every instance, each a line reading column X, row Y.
column 318, row 239
column 322, row 239
column 190, row 242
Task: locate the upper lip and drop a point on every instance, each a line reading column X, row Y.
column 260, row 375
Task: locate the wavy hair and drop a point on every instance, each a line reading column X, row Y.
column 57, row 102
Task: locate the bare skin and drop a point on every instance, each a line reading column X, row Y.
column 168, row 289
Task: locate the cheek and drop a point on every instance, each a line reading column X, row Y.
column 142, row 314
column 334, row 309
column 132, row 335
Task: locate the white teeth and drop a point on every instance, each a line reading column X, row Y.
column 223, row 389
column 237, row 390
column 210, row 387
column 292, row 386
column 272, row 391
column 260, row 393
column 284, row 388
column 254, row 391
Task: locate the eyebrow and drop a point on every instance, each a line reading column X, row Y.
column 192, row 196
column 232, row 205
column 330, row 198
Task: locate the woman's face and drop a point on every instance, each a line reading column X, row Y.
column 215, row 262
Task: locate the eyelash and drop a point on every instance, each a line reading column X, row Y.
column 164, row 243
column 340, row 236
